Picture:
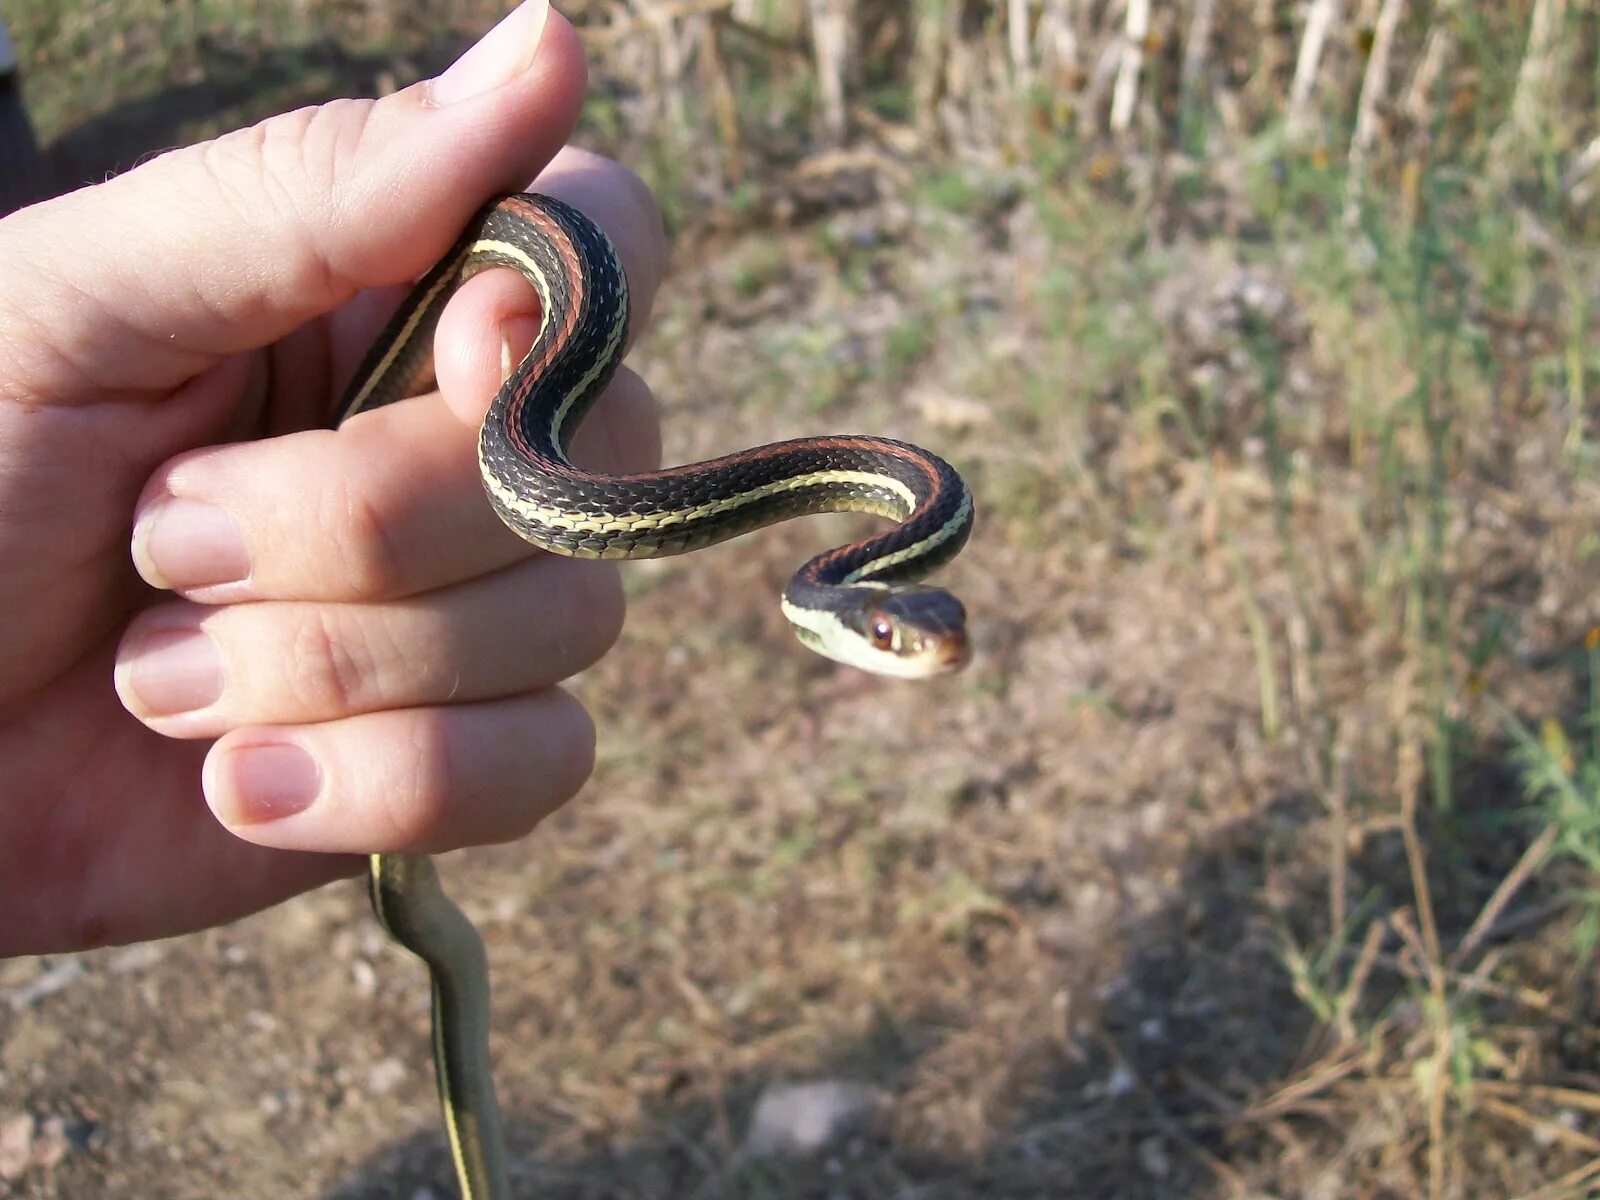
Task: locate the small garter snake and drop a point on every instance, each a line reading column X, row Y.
column 858, row 604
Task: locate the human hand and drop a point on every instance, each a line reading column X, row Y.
column 359, row 657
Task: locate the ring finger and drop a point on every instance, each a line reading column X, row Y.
column 420, row 779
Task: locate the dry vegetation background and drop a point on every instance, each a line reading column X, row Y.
column 1256, row 855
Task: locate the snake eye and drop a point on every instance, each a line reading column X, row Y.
column 882, row 632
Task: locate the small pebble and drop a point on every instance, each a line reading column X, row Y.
column 16, row 1146
column 55, row 978
column 1120, row 1082
column 1155, row 1160
column 27, row 1144
column 805, row 1117
column 139, row 957
column 385, row 1076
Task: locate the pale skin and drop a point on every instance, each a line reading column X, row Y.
column 240, row 649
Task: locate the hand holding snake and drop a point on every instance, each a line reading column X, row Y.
column 192, row 361
column 171, row 345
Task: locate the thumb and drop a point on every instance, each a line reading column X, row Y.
column 147, row 279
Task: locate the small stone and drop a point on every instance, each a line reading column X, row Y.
column 26, row 1143
column 55, row 978
column 16, row 1146
column 1120, row 1082
column 1155, row 1160
column 280, row 1101
column 385, row 1076
column 132, row 959
column 803, row 1118
column 50, row 1143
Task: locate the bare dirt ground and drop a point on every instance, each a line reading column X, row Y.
column 1141, row 906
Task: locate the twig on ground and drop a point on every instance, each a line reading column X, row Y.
column 1532, row 859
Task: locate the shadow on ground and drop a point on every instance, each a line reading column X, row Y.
column 231, row 86
column 1134, row 1103
column 1157, row 1093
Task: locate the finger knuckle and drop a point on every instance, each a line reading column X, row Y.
column 373, row 564
column 417, row 800
column 333, row 666
column 287, row 175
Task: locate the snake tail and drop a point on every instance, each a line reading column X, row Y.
column 414, row 909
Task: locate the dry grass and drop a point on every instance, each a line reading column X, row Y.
column 1215, row 877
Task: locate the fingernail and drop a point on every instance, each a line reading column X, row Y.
column 172, row 671
column 181, row 543
column 496, row 58
column 263, row 782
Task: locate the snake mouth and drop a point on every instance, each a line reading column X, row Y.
column 950, row 653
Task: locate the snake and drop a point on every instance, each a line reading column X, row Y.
column 861, row 604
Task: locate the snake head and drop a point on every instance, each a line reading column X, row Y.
column 910, row 632
column 916, row 632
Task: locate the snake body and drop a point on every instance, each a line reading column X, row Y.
column 857, row 604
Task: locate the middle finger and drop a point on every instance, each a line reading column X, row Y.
column 190, row 670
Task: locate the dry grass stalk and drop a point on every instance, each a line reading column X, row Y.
column 1018, row 45
column 831, row 31
column 1366, row 959
column 1436, row 52
column 1572, row 1186
column 1059, row 43
column 1532, row 859
column 1125, row 96
column 1575, row 179
column 1320, row 1078
column 964, row 83
column 1423, row 942
column 1553, row 1130
column 1374, row 86
column 671, row 58
column 714, row 73
column 605, row 36
column 1195, row 50
column 1106, row 69
column 1539, row 74
column 1336, row 797
column 929, row 49
column 1318, row 21
column 1264, row 84
column 1438, row 1075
